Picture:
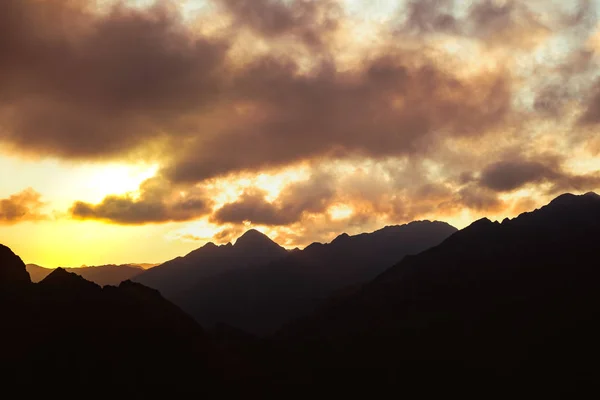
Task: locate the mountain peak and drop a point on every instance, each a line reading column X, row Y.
column 566, row 198
column 341, row 238
column 65, row 279
column 12, row 268
column 572, row 199
column 253, row 238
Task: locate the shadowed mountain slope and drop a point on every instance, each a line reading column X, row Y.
column 261, row 299
column 517, row 299
column 179, row 275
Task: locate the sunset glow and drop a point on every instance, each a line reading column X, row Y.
column 146, row 129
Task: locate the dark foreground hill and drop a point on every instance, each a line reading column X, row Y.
column 517, row 300
column 67, row 335
column 260, row 299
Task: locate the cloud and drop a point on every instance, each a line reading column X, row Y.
column 228, row 235
column 591, row 115
column 82, row 85
column 252, row 207
column 510, row 175
column 20, row 207
column 423, row 119
column 157, row 202
column 141, row 81
column 501, row 24
column 310, row 21
column 506, row 176
column 429, row 16
column 310, row 196
column 478, row 199
column 510, row 22
column 394, row 105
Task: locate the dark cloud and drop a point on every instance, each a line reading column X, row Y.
column 79, row 84
column 591, row 113
column 393, row 106
column 566, row 82
column 507, row 22
column 101, row 85
column 252, row 207
column 428, row 16
column 495, row 23
column 579, row 183
column 478, row 199
column 76, row 84
column 506, row 176
column 157, row 202
column 311, row 196
column 20, row 207
column 311, row 21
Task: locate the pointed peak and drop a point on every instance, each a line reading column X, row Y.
column 137, row 288
column 253, row 238
column 60, row 273
column 63, row 278
column 341, row 238
column 481, row 224
column 313, row 246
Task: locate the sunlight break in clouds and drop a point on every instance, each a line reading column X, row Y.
column 189, row 121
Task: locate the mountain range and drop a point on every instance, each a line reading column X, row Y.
column 70, row 336
column 257, row 286
column 497, row 305
column 519, row 298
column 173, row 277
column 102, row 275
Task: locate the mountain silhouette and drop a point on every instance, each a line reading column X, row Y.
column 262, row 298
column 517, row 300
column 253, row 239
column 67, row 335
column 494, row 305
column 102, row 275
column 179, row 275
column 13, row 270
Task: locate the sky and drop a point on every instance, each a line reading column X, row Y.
column 137, row 131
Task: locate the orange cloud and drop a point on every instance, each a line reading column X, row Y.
column 158, row 202
column 24, row 206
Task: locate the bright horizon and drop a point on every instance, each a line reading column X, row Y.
column 144, row 130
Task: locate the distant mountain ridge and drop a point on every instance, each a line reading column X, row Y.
column 256, row 285
column 102, row 275
column 179, row 275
